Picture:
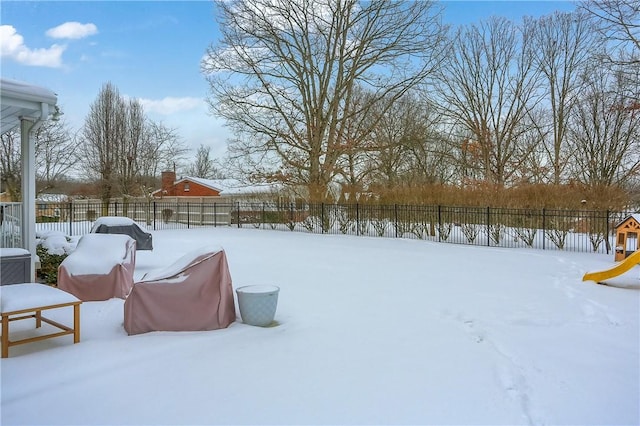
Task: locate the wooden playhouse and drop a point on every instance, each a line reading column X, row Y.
column 627, row 233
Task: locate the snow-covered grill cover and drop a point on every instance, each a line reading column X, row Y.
column 192, row 294
column 100, row 268
column 126, row 226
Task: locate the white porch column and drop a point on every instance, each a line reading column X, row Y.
column 27, row 127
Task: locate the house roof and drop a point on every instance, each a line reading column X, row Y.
column 234, row 187
column 635, row 216
column 211, row 184
column 24, row 100
column 228, row 186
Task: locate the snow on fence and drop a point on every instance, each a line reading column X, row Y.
column 574, row 230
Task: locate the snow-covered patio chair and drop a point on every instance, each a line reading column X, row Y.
column 100, row 268
column 192, row 294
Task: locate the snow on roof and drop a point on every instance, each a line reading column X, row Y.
column 230, row 186
column 20, row 99
column 235, row 187
column 209, row 183
column 25, row 91
column 55, row 198
column 635, row 216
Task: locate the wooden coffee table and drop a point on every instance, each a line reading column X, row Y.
column 28, row 300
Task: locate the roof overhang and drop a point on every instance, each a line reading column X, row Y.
column 19, row 100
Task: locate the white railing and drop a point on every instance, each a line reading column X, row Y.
column 10, row 225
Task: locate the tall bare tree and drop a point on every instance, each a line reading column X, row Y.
column 605, row 132
column 162, row 149
column 489, row 87
column 204, row 166
column 10, row 165
column 284, row 73
column 56, row 152
column 124, row 150
column 619, row 22
column 566, row 43
column 103, row 133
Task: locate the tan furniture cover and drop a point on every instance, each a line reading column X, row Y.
column 100, row 268
column 192, row 294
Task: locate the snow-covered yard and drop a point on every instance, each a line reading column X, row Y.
column 370, row 331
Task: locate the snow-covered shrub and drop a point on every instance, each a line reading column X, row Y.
column 380, row 226
column 52, row 248
column 471, row 231
column 495, row 232
column 444, row 230
column 527, row 235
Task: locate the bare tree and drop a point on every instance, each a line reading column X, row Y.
column 103, row 133
column 489, row 87
column 162, row 149
column 56, row 152
column 408, row 144
column 122, row 148
column 204, row 166
column 285, row 71
column 619, row 22
column 129, row 149
column 566, row 44
column 10, row 165
column 605, row 132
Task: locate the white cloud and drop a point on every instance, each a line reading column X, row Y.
column 170, row 105
column 12, row 46
column 72, row 30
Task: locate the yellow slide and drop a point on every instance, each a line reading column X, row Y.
column 617, row 269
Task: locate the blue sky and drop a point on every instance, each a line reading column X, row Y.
column 149, row 50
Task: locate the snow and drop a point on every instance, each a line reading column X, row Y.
column 11, row 252
column 179, row 265
column 17, row 297
column 112, row 221
column 97, row 254
column 56, row 242
column 258, row 289
column 369, row 331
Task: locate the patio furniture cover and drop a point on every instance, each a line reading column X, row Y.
column 126, row 226
column 192, row 294
column 100, row 268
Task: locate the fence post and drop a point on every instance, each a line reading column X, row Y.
column 488, row 224
column 154, row 215
column 439, row 222
column 357, row 219
column 322, row 218
column 238, row 212
column 395, row 214
column 215, row 216
column 263, row 218
column 606, row 236
column 544, row 228
column 70, row 218
column 188, row 215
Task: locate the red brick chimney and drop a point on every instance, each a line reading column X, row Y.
column 168, row 178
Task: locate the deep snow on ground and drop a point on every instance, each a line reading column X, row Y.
column 369, row 331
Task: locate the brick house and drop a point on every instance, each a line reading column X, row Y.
column 186, row 187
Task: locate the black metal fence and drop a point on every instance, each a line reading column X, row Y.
column 571, row 230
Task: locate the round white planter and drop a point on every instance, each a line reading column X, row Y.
column 258, row 304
